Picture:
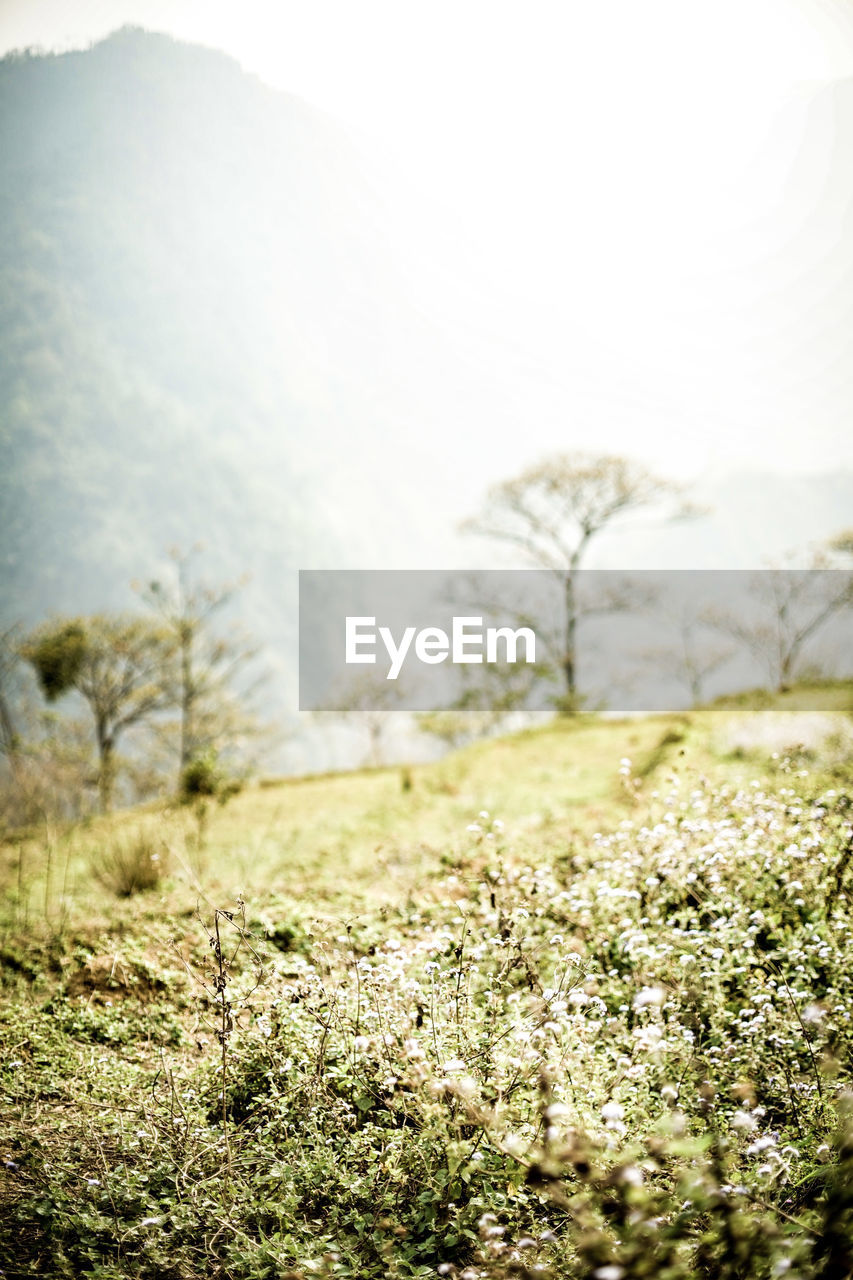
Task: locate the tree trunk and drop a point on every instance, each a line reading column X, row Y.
column 570, row 649
column 186, row 698
column 786, row 668
column 106, row 771
column 8, row 736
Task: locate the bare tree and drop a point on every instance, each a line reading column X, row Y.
column 211, row 716
column 785, row 609
column 368, row 701
column 692, row 657
column 552, row 511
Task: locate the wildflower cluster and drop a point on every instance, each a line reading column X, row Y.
column 665, row 1022
column 633, row 1060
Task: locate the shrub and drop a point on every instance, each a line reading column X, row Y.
column 203, row 779
column 131, row 864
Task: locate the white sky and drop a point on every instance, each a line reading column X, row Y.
column 499, row 108
column 420, row 74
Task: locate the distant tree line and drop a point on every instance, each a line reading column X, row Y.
column 173, row 672
column 170, row 671
column 550, row 514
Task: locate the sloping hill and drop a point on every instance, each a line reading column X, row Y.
column 493, row 992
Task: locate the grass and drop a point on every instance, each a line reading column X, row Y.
column 575, row 1004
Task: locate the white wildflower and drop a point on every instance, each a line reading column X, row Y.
column 612, row 1111
column 649, row 996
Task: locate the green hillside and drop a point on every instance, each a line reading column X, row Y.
column 570, row 1003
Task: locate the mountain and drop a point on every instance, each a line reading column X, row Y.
column 202, row 333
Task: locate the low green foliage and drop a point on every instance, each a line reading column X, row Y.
column 203, row 778
column 57, row 655
column 559, row 1052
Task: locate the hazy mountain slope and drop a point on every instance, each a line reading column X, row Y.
column 200, row 323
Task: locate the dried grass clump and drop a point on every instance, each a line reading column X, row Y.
column 130, row 864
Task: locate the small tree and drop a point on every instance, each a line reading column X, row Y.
column 204, row 780
column 692, row 658
column 211, row 717
column 117, row 664
column 368, row 702
column 788, row 608
column 45, row 759
column 552, row 511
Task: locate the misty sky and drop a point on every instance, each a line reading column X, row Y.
column 415, row 74
column 631, row 174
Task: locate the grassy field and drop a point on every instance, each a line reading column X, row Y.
column 573, row 1003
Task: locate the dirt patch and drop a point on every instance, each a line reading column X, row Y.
column 111, row 975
